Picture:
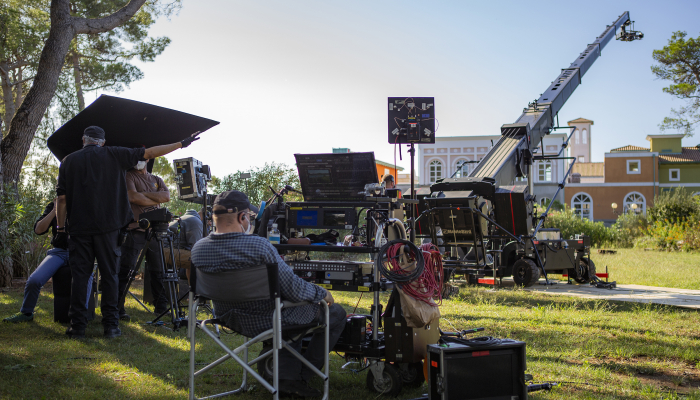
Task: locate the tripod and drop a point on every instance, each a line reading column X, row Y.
column 160, row 233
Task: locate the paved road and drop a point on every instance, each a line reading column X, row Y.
column 637, row 293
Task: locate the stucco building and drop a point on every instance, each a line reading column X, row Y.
column 634, row 175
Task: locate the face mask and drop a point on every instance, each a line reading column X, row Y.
column 251, row 225
column 141, row 165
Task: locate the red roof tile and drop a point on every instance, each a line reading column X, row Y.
column 689, row 155
column 630, row 148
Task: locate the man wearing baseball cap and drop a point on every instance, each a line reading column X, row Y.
column 92, row 196
column 231, row 247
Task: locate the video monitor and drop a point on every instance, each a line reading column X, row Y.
column 336, row 176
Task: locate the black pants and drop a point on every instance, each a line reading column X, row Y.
column 82, row 252
column 291, row 368
column 135, row 241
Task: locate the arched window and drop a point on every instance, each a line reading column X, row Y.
column 544, row 202
column 434, row 171
column 544, row 171
column 635, row 198
column 576, row 134
column 584, row 134
column 464, row 171
column 582, row 205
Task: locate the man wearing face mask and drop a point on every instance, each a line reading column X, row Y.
column 233, row 246
column 146, row 193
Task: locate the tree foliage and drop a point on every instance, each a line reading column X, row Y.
column 679, row 62
column 23, row 30
column 257, row 187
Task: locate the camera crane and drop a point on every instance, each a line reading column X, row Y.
column 492, row 210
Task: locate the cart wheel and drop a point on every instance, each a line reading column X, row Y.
column 525, row 272
column 391, row 383
column 412, row 373
column 265, row 365
column 584, row 272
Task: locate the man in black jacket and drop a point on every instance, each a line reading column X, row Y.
column 92, row 194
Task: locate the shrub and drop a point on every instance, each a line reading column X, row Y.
column 674, row 205
column 571, row 224
column 628, row 228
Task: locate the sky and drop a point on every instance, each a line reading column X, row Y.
column 305, row 76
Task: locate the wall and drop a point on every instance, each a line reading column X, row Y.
column 659, row 144
column 689, row 173
column 604, row 196
column 616, row 167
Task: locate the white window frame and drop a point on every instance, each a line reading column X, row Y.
column 574, row 203
column 434, row 175
column 543, row 200
column 584, row 136
column 465, row 169
column 576, row 136
column 642, row 209
column 581, row 159
column 542, row 169
column 670, row 174
column 639, row 167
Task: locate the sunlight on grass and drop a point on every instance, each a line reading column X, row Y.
column 604, row 350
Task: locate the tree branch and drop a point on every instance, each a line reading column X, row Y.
column 92, row 26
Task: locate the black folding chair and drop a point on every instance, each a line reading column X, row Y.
column 241, row 285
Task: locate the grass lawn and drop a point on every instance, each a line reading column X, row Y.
column 651, row 268
column 610, row 350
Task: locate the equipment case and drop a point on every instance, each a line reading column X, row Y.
column 459, row 372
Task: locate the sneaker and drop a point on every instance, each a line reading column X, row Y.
column 19, row 317
column 75, row 334
column 112, row 333
column 289, row 387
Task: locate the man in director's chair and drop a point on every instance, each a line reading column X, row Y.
column 233, row 247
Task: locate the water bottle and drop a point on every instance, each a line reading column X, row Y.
column 273, row 235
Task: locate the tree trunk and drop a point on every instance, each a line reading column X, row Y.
column 6, row 94
column 78, row 80
column 19, row 96
column 27, row 118
column 15, row 145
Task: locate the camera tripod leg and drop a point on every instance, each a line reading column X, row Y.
column 138, row 301
column 171, row 279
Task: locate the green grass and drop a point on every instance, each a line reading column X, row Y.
column 610, row 350
column 651, row 268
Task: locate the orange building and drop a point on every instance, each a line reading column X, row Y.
column 632, row 177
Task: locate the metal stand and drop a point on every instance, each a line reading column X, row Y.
column 161, row 234
column 412, row 152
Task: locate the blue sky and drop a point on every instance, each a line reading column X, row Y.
column 305, row 76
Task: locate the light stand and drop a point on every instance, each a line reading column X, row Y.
column 412, row 152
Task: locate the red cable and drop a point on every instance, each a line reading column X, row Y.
column 429, row 285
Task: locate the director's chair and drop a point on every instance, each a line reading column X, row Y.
column 241, row 285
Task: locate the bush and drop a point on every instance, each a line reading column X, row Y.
column 674, row 205
column 21, row 207
column 628, row 228
column 571, row 224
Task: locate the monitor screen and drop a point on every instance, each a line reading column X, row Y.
column 336, row 176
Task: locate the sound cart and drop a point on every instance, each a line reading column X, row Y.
column 341, row 191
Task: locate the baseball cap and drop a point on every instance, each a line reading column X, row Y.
column 94, row 132
column 234, row 201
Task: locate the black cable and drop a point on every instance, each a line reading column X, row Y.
column 475, row 342
column 382, row 260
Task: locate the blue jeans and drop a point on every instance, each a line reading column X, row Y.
column 55, row 259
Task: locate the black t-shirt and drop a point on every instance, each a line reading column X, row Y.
column 93, row 180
